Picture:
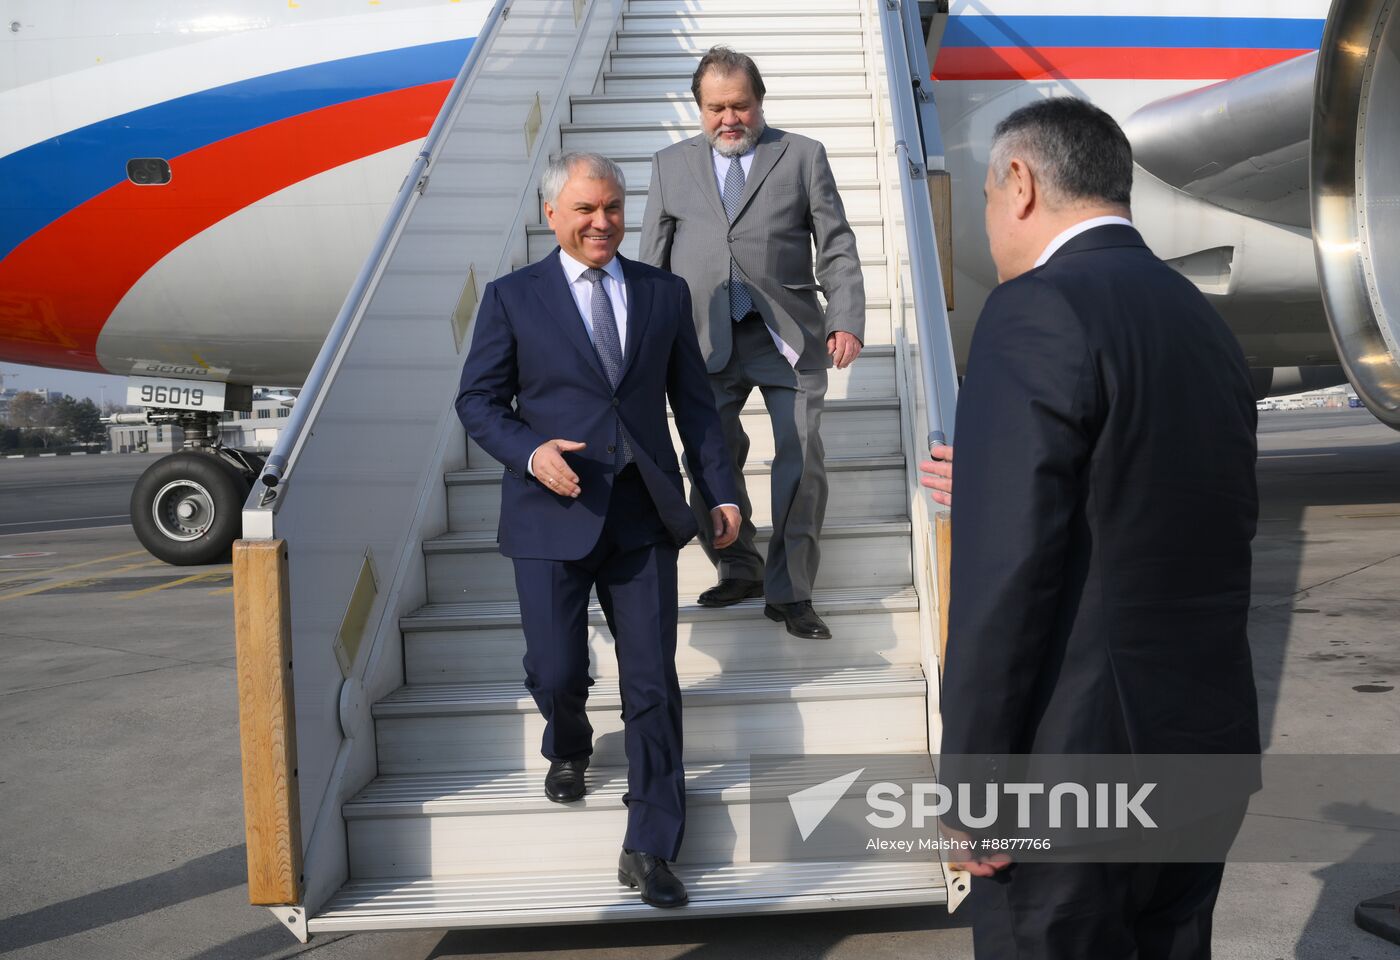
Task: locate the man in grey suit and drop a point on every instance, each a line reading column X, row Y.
column 735, row 212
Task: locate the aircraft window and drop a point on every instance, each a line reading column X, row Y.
column 148, row 171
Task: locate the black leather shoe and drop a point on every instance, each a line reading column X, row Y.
column 730, row 590
column 564, row 782
column 801, row 620
column 652, row 877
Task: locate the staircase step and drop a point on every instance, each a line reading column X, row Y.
column 495, row 726
column 869, row 553
column 860, row 199
column 689, row 23
column 850, row 428
column 594, row 895
column 864, row 427
column 775, row 57
column 860, row 487
column 454, row 824
column 878, row 626
column 869, row 231
column 611, row 138
column 791, row 38
column 778, row 109
column 706, row 7
column 848, row 164
column 780, row 82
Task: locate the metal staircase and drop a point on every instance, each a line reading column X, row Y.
column 453, row 829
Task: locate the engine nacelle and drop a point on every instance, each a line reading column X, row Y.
column 1356, row 195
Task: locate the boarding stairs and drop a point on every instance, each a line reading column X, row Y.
column 448, row 825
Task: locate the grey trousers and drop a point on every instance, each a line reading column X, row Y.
column 794, row 400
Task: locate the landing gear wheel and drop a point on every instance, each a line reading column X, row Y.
column 187, row 508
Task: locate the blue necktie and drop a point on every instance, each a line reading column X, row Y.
column 609, row 346
column 740, row 300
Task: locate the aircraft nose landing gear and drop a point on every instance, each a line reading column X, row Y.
column 187, row 508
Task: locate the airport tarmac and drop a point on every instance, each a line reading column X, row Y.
column 119, row 771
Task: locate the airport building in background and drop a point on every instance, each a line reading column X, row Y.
column 255, row 429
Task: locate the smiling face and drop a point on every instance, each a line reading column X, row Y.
column 730, row 114
column 587, row 218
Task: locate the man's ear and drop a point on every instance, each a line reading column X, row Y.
column 1023, row 189
column 548, row 214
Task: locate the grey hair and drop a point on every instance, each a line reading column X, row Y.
column 595, row 167
column 1077, row 152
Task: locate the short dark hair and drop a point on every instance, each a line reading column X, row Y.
column 1077, row 150
column 725, row 61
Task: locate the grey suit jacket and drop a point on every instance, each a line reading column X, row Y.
column 790, row 200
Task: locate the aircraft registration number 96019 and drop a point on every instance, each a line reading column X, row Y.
column 179, row 394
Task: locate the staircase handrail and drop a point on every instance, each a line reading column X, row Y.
column 919, row 150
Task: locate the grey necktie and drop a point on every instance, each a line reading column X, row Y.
column 740, row 300
column 609, row 346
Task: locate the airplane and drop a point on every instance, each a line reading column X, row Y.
column 187, row 191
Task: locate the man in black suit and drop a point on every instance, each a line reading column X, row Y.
column 572, row 362
column 1101, row 534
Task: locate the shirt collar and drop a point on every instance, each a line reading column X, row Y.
column 1081, row 227
column 573, row 269
column 721, row 157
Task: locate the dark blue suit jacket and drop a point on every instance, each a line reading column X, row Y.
column 533, row 375
column 1103, row 515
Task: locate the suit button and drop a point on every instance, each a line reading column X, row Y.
column 616, row 401
column 731, row 239
column 611, row 448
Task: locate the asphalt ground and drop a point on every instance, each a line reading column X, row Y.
column 119, row 773
column 40, row 494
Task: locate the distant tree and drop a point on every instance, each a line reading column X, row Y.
column 9, row 438
column 38, row 439
column 78, row 420
column 28, row 411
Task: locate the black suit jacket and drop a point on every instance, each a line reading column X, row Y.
column 1103, row 515
column 534, row 375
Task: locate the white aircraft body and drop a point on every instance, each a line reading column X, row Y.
column 187, row 189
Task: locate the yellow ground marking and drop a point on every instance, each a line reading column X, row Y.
column 73, row 566
column 220, row 592
column 174, row 583
column 83, row 579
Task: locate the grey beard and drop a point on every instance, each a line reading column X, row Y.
column 736, row 148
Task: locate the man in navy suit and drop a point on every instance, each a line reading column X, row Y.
column 1101, row 534
column 571, row 364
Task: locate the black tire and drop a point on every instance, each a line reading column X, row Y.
column 210, row 489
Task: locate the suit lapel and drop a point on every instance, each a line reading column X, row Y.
column 702, row 165
column 769, row 149
column 638, row 312
column 553, row 290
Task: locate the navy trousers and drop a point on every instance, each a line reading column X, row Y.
column 1102, row 911
column 633, row 568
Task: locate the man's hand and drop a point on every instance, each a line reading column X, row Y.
column 967, row 861
column 552, row 470
column 844, row 347
column 940, row 474
column 726, row 521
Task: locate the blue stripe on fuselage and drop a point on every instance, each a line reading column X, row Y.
column 1240, row 33
column 42, row 182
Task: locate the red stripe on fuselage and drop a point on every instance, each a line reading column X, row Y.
column 60, row 285
column 1101, row 63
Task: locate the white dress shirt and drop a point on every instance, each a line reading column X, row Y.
column 1082, row 226
column 722, row 164
column 614, row 284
